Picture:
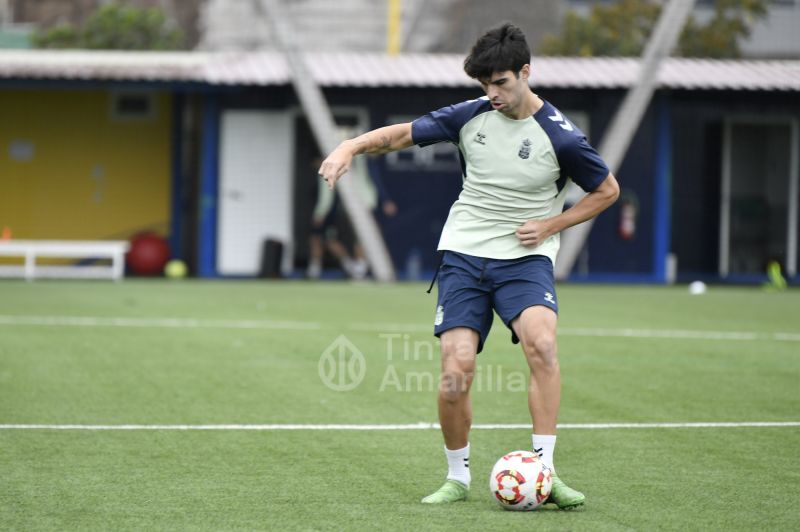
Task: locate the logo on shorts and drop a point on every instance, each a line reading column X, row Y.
column 439, row 315
column 549, row 298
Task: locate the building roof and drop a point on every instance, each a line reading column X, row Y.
column 357, row 69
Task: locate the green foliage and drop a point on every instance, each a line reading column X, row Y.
column 622, row 29
column 719, row 37
column 116, row 27
column 58, row 37
column 619, row 29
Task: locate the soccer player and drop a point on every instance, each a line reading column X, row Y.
column 501, row 237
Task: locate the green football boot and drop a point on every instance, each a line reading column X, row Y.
column 563, row 496
column 451, row 491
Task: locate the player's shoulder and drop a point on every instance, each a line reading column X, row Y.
column 479, row 105
column 446, row 123
column 562, row 132
column 463, row 112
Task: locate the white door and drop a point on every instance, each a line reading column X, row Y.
column 255, row 192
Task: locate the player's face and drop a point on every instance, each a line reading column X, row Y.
column 506, row 90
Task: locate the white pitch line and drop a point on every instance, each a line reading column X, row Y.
column 197, row 323
column 413, row 426
column 171, row 323
column 679, row 334
column 666, row 333
column 363, row 326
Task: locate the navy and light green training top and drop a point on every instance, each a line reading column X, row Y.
column 514, row 171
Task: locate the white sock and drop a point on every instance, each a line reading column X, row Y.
column 458, row 465
column 347, row 265
column 544, row 445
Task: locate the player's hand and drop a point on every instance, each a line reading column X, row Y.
column 533, row 232
column 336, row 165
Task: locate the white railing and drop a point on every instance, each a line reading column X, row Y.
column 30, row 250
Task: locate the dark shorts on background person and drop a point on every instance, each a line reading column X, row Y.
column 336, row 225
column 472, row 288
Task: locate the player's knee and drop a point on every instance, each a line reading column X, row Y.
column 454, row 385
column 457, row 348
column 541, row 350
column 458, row 367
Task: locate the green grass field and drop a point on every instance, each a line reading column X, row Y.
column 248, row 353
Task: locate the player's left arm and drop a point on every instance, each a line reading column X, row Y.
column 534, row 232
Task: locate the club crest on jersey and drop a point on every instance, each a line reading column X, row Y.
column 525, row 149
column 480, row 137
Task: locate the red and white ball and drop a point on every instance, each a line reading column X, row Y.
column 520, row 481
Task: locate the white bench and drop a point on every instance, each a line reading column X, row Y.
column 30, row 250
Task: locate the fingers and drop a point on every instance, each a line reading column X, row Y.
column 329, row 178
column 529, row 234
column 331, row 172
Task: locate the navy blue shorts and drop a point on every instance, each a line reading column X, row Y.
column 336, row 225
column 471, row 288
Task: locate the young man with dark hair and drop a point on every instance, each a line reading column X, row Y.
column 501, row 236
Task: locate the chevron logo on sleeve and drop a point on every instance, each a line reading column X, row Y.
column 561, row 121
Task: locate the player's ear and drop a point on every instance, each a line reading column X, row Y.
column 525, row 72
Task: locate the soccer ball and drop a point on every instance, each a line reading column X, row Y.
column 520, row 481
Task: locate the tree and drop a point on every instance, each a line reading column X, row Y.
column 719, row 37
column 622, row 29
column 116, row 27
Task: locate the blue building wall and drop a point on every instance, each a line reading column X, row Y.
column 671, row 171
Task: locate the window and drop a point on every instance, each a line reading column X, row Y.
column 133, row 106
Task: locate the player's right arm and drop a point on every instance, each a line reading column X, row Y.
column 382, row 140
